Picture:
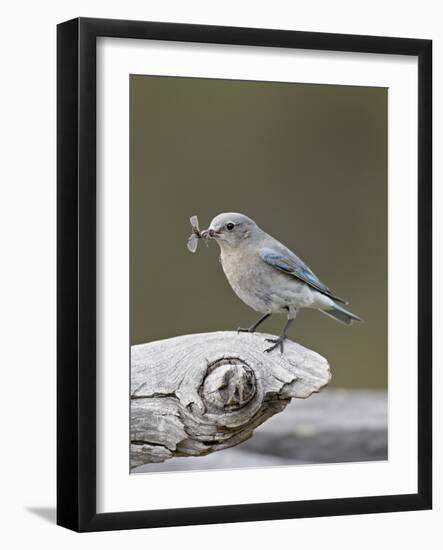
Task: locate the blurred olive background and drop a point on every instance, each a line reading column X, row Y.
column 307, row 162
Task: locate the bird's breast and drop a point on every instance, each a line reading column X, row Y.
column 247, row 278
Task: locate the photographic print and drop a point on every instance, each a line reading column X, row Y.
column 258, row 273
column 240, row 215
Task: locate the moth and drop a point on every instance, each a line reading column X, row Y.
column 195, row 235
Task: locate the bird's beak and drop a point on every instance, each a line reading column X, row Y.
column 209, row 234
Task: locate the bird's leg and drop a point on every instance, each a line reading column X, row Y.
column 255, row 325
column 279, row 341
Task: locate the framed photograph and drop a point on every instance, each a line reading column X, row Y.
column 244, row 274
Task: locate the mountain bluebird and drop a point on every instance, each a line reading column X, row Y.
column 267, row 276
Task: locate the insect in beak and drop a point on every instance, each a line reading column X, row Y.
column 196, row 235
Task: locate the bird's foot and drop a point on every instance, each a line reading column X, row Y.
column 277, row 342
column 249, row 329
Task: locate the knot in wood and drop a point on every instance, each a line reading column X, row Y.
column 229, row 385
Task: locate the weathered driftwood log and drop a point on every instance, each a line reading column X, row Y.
column 196, row 394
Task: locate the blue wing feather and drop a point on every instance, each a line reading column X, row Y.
column 285, row 260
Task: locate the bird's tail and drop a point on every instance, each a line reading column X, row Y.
column 340, row 314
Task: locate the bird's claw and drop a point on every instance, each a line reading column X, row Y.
column 276, row 343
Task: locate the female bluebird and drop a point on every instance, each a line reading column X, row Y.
column 267, row 276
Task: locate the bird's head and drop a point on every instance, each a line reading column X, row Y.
column 231, row 229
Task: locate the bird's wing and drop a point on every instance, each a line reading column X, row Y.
column 284, row 260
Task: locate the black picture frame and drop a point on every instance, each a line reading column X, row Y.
column 76, row 265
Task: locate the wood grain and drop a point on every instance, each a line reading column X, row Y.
column 196, row 394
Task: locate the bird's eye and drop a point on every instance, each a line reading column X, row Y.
column 230, row 226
